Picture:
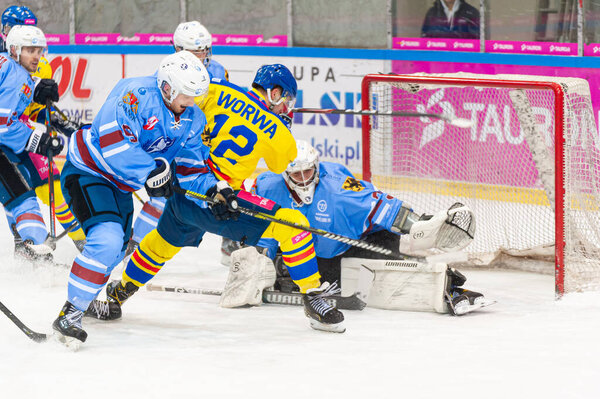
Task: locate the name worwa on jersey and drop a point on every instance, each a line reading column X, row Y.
column 252, row 113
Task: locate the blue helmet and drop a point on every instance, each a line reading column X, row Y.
column 18, row 15
column 269, row 76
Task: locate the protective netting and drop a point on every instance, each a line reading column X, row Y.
column 502, row 167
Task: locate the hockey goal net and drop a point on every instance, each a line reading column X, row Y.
column 528, row 166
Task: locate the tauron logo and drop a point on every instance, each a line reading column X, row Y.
column 433, row 130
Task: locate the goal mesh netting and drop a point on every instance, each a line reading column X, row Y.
column 528, row 166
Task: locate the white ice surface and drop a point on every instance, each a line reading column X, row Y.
column 182, row 345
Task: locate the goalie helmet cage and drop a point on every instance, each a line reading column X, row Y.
column 528, row 167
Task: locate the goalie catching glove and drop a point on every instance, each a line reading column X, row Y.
column 224, row 205
column 449, row 230
column 159, row 182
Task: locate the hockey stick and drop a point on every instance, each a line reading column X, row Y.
column 52, row 240
column 352, row 302
column 51, row 174
column 326, row 234
column 35, row 336
column 137, row 196
column 458, row 122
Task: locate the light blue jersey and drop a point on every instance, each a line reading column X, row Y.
column 133, row 127
column 16, row 93
column 341, row 205
column 216, row 70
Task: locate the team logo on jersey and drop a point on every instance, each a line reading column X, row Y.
column 26, row 90
column 129, row 133
column 150, row 123
column 322, row 206
column 352, row 184
column 131, row 100
column 159, row 145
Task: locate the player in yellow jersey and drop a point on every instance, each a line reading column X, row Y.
column 242, row 128
column 37, row 164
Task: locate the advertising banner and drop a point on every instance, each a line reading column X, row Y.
column 85, row 81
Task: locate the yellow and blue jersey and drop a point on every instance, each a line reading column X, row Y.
column 241, row 130
column 33, row 111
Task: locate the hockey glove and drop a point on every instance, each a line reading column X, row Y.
column 42, row 143
column 225, row 203
column 45, row 89
column 159, row 182
column 287, row 119
column 65, row 126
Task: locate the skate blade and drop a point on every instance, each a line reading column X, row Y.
column 336, row 328
column 71, row 343
column 461, row 310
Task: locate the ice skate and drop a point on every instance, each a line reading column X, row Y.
column 462, row 301
column 37, row 255
column 322, row 315
column 117, row 294
column 103, row 310
column 67, row 327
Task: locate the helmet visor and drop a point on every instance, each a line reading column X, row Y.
column 287, row 99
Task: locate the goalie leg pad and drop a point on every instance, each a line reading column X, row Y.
column 399, row 284
column 249, row 274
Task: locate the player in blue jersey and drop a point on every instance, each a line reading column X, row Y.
column 36, row 164
column 195, row 38
column 333, row 200
column 242, row 128
column 26, row 45
column 140, row 130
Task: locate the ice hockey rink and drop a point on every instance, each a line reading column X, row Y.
column 182, row 345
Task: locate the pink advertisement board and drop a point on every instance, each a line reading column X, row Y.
column 165, row 39
column 418, row 43
column 495, row 126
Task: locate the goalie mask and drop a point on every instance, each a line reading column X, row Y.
column 182, row 73
column 302, row 174
column 195, row 38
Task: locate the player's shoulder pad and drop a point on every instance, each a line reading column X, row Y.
column 268, row 181
column 7, row 64
column 339, row 176
column 141, row 91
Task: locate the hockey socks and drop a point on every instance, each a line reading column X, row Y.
column 148, row 259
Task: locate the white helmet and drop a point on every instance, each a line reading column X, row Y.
column 193, row 36
column 182, row 73
column 24, row 36
column 302, row 174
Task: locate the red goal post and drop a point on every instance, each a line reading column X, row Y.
column 524, row 129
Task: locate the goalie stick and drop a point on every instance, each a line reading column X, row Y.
column 35, row 336
column 458, row 122
column 352, row 302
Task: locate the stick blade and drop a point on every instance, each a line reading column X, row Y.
column 461, row 122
